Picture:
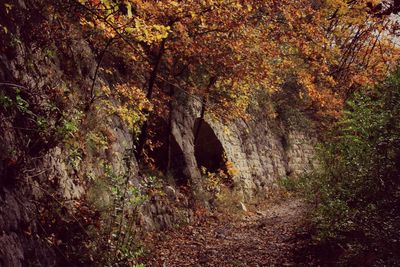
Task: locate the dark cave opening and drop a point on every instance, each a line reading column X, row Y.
column 208, row 149
column 160, row 155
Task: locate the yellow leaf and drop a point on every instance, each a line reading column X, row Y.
column 249, row 8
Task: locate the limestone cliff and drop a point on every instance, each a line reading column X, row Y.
column 261, row 149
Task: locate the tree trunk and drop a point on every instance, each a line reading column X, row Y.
column 170, row 106
column 149, row 95
column 203, row 107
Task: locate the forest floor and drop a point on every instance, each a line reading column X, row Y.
column 272, row 235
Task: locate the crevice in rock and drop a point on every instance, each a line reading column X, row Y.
column 285, row 146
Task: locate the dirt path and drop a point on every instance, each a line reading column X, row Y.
column 269, row 237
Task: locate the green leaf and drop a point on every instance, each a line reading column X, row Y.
column 129, row 10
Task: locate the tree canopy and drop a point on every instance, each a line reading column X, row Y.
column 328, row 48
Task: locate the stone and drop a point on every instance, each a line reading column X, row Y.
column 243, row 206
column 171, row 192
column 261, row 213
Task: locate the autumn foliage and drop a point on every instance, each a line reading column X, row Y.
column 229, row 55
column 328, row 48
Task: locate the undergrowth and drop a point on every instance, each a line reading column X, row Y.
column 356, row 190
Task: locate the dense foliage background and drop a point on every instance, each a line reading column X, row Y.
column 357, row 189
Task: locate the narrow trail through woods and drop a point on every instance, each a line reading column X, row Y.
column 272, row 236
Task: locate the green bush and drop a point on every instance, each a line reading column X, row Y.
column 299, row 185
column 357, row 189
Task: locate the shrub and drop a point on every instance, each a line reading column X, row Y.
column 357, row 189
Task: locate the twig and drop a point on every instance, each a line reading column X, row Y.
column 13, row 85
column 61, row 204
column 92, row 96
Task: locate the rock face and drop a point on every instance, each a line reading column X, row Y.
column 31, row 163
column 259, row 151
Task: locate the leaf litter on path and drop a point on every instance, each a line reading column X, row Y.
column 267, row 237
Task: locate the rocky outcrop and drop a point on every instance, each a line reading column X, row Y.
column 260, row 149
